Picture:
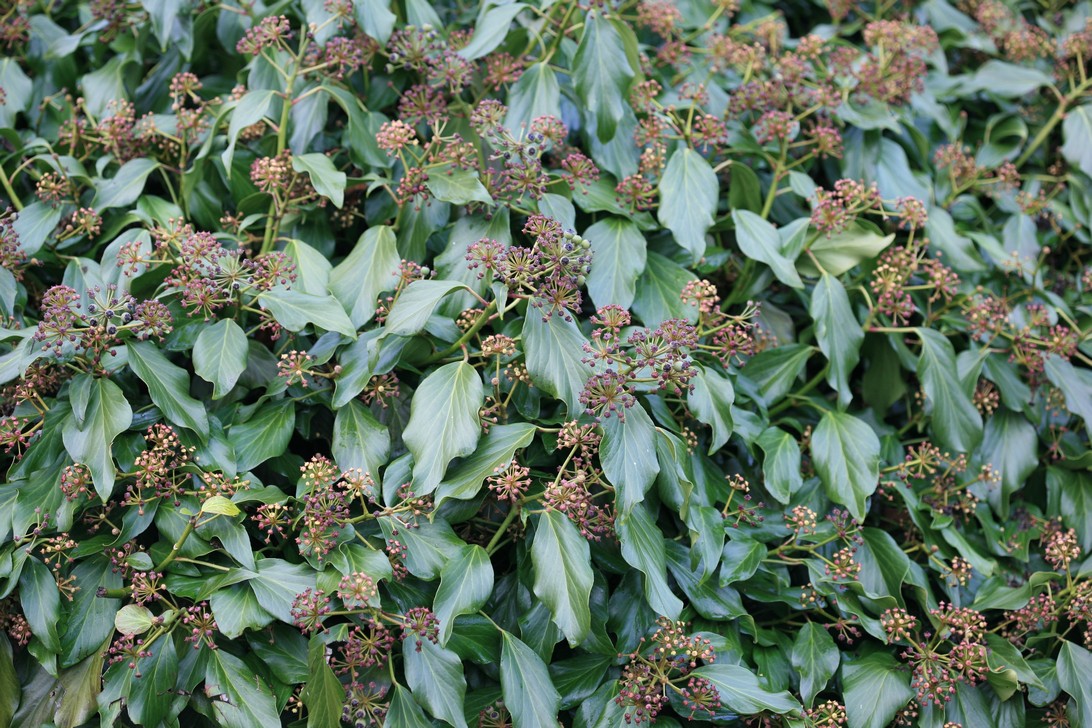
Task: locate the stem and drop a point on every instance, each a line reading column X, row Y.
column 190, row 525
column 467, row 336
column 1052, row 122
column 271, row 225
column 502, row 529
column 10, row 191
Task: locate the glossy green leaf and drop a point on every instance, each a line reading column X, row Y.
column 563, row 574
column 602, row 74
column 495, row 449
column 955, row 421
column 659, row 288
column 846, row 453
column 360, row 441
column 264, row 435
column 370, row 269
column 443, row 422
column 466, row 581
column 294, row 311
column 555, row 354
column 125, row 187
column 529, row 693
column 781, row 464
column 710, row 399
column 688, row 200
column 837, row 332
column 628, row 456
column 41, row 602
column 618, row 257
column 244, row 699
column 876, row 688
column 327, row 179
column 815, row 658
column 841, row 251
column 168, row 385
column 457, row 186
column 90, row 442
column 741, row 692
column 414, row 306
column 220, row 355
column 1075, row 677
column 435, row 675
column 643, row 549
column 759, row 240
column 323, row 695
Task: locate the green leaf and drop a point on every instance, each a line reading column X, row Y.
column 1007, row 80
column 220, row 355
column 443, row 422
column 35, row 223
column 221, row 506
column 89, row 619
column 759, row 240
column 370, row 269
column 152, row 696
column 1075, row 677
column 126, row 186
column 643, row 549
column 956, row 422
column 107, row 415
column 554, row 353
column 168, row 385
column 563, row 574
column 435, row 675
column 1075, row 383
column 466, row 581
column 741, row 558
column 529, row 693
column 277, row 583
column 236, row 610
column 414, row 306
column 457, row 186
column 376, row 19
column 41, row 602
column 602, row 74
column 9, row 683
column 403, row 712
column 245, row 700
column 710, row 399
column 360, row 441
column 1011, row 445
column 628, row 456
column 1072, row 491
column 263, row 436
column 841, row 251
column 659, row 292
column 17, row 87
column 495, row 449
column 741, row 692
column 327, row 180
column 781, row 464
column 134, row 619
column 815, row 658
column 294, row 310
column 249, row 111
column 66, row 700
column 846, row 453
column 490, row 29
column 688, row 200
column 838, row 333
column 323, row 694
column 1077, row 133
column 536, row 93
column 618, row 257
column 1003, row 655
column 876, row 687
column 776, row 370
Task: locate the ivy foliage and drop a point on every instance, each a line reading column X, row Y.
column 397, row 363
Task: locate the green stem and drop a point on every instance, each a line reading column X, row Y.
column 271, row 224
column 1052, row 122
column 190, row 525
column 467, row 336
column 502, row 529
column 10, row 191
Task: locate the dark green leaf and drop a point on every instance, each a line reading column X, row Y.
column 323, row 694
column 414, row 306
column 710, row 399
column 490, row 29
column 815, row 658
column 741, row 692
column 466, row 581
column 618, row 257
column 360, row 441
column 781, row 464
column 168, row 385
column 1075, row 677
column 876, row 688
column 263, row 436
column 529, row 694
column 643, row 549
column 89, row 440
column 294, row 310
column 759, row 240
column 245, row 700
column 555, row 357
column 370, row 269
column 563, row 574
column 846, row 453
column 955, row 421
column 495, row 449
column 327, row 180
column 659, row 290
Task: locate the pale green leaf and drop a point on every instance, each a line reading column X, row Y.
column 781, row 464
column 220, row 355
column 295, row 310
column 741, row 692
column 815, row 658
column 563, row 574
column 618, row 257
column 846, row 453
column 643, row 549
column 466, row 581
column 370, row 269
column 759, row 240
column 554, row 353
column 107, row 415
column 876, row 687
column 838, row 333
column 688, row 200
